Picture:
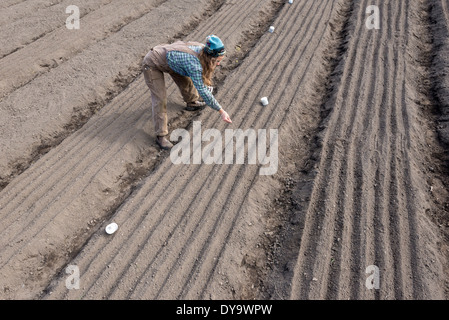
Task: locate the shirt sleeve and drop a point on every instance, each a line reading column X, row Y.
column 196, row 74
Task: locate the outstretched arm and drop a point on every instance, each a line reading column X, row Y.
column 197, row 79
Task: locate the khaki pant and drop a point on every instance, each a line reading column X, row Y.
column 154, row 67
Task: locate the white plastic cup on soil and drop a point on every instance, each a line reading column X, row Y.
column 111, row 228
column 290, row 1
column 264, row 101
column 271, row 29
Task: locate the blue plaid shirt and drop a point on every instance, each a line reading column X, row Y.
column 188, row 65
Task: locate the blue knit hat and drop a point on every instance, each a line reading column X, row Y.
column 214, row 46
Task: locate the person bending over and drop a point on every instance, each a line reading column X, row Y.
column 191, row 66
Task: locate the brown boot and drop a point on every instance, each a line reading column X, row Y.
column 195, row 106
column 163, row 142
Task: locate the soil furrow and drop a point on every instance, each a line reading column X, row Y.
column 257, row 77
column 235, row 217
column 347, row 240
column 39, row 57
column 267, row 3
column 377, row 236
column 404, row 265
column 29, row 22
column 314, row 222
column 359, row 195
column 112, row 191
column 91, row 70
column 379, row 216
column 60, row 167
column 280, row 281
column 10, row 3
column 68, row 193
column 438, row 77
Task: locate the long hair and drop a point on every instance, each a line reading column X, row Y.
column 208, row 63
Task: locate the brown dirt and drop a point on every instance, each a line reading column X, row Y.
column 362, row 176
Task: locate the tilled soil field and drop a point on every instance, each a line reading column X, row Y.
column 356, row 208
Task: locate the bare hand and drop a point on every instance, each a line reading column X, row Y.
column 225, row 117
